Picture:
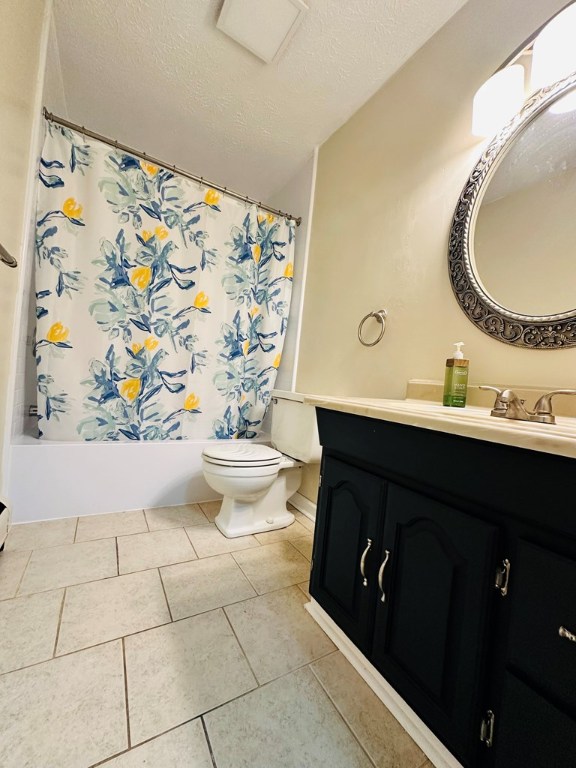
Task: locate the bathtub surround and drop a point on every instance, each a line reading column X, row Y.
column 21, row 71
column 297, row 195
column 162, row 305
column 138, row 475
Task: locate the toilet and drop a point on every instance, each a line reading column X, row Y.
column 257, row 480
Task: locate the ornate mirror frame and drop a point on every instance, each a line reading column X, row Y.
column 535, row 332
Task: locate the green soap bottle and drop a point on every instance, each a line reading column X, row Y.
column 456, row 379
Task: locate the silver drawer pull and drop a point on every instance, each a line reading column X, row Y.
column 563, row 632
column 363, row 562
column 381, row 575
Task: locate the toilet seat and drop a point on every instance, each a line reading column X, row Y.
column 242, row 455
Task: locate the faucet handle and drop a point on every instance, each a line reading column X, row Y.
column 543, row 408
column 500, row 406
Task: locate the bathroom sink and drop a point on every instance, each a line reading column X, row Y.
column 470, row 421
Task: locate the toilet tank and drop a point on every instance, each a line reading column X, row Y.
column 294, row 429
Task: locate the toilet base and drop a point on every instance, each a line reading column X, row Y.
column 237, row 518
column 254, row 498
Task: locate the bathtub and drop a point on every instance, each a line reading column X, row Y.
column 49, row 479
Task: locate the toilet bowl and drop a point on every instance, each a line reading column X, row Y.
column 257, row 480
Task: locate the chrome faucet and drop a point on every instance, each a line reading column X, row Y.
column 509, row 406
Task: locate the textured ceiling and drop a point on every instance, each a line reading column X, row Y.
column 158, row 75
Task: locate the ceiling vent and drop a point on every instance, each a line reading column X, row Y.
column 264, row 28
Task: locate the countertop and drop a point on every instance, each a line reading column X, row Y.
column 470, row 421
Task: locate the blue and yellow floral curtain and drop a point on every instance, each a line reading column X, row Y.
column 161, row 306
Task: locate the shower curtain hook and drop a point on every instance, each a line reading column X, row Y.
column 201, row 182
column 83, row 133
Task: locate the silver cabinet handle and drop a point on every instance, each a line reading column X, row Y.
column 563, row 632
column 503, row 577
column 363, row 562
column 487, row 729
column 381, row 575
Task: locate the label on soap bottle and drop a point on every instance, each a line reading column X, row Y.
column 455, row 383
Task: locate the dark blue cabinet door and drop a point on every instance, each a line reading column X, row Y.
column 348, row 524
column 530, row 731
column 430, row 631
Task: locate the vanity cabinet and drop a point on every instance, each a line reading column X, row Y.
column 453, row 575
column 408, row 579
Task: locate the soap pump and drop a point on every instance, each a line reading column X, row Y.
column 456, row 378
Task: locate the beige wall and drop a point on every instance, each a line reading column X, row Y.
column 21, row 23
column 387, row 185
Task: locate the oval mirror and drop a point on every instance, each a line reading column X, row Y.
column 512, row 254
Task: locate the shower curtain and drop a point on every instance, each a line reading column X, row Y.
column 161, row 305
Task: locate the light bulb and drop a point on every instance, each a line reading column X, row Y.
column 554, row 53
column 498, row 100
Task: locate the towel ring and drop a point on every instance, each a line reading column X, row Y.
column 7, row 258
column 380, row 315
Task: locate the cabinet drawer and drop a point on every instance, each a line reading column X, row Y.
column 543, row 597
column 530, row 732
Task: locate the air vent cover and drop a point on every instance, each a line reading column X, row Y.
column 264, row 28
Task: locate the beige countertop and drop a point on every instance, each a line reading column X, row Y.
column 471, row 421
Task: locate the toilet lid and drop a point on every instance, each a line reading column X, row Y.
column 242, row 455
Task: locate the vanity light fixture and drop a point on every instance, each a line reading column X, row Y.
column 498, row 100
column 554, row 56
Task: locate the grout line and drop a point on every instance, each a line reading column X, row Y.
column 126, row 695
column 241, row 646
column 59, row 624
column 192, row 545
column 96, row 645
column 245, row 574
column 207, row 737
column 146, row 521
column 117, row 556
column 341, row 715
column 166, row 565
column 76, row 530
column 65, row 586
column 142, row 743
column 165, row 595
column 264, row 685
column 22, row 577
column 301, row 666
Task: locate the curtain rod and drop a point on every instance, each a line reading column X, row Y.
column 181, row 172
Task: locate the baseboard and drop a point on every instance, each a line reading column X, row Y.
column 304, row 505
column 432, row 747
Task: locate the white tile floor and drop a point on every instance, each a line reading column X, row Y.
column 149, row 639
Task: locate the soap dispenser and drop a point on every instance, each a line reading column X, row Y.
column 456, row 378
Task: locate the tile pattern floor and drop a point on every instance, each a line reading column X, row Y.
column 147, row 638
